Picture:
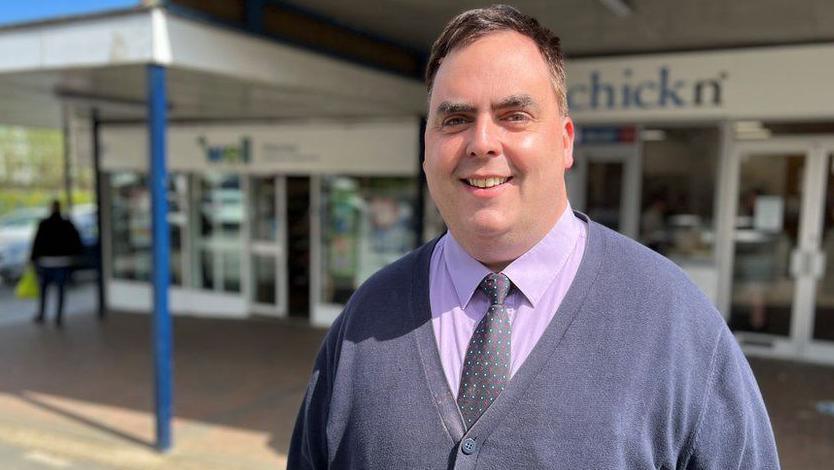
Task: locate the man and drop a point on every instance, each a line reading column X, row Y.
column 56, row 245
column 527, row 336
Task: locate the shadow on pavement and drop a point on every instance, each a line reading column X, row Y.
column 242, row 375
column 85, row 421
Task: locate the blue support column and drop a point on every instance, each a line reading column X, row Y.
column 162, row 337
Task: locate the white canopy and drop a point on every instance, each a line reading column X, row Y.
column 215, row 73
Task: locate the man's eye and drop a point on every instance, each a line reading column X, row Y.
column 453, row 121
column 516, row 117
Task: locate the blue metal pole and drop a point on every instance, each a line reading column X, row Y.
column 162, row 338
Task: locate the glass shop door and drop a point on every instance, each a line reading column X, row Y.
column 604, row 183
column 782, row 294
column 267, row 246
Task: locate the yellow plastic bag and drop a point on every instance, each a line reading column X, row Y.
column 27, row 287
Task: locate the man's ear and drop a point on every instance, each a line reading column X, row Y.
column 568, row 134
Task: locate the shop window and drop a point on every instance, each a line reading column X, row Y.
column 206, row 278
column 130, row 225
column 267, row 246
column 367, row 223
column 264, row 210
column 218, row 241
column 604, row 190
column 265, row 276
column 231, row 271
column 678, row 192
column 178, row 224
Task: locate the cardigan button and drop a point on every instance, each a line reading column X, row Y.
column 469, row 446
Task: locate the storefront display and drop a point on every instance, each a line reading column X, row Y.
column 219, row 241
column 130, row 227
column 230, row 233
column 678, row 190
column 367, row 223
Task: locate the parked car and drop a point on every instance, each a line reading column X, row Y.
column 17, row 232
column 17, row 229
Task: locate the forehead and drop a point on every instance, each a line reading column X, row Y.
column 505, row 59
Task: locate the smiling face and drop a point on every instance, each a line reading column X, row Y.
column 497, row 146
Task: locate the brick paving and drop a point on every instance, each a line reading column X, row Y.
column 84, row 394
column 793, row 392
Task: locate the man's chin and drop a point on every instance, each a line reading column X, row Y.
column 486, row 230
column 489, row 220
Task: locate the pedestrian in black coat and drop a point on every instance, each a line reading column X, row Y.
column 54, row 252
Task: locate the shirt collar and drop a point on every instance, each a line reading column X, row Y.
column 532, row 273
column 466, row 272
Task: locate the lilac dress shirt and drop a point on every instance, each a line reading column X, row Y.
column 541, row 277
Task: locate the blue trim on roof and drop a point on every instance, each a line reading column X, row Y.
column 421, row 58
column 329, row 20
column 254, row 15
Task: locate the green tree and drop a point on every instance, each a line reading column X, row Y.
column 32, row 169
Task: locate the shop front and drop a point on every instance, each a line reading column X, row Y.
column 721, row 161
column 718, row 160
column 274, row 220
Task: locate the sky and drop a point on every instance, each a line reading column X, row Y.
column 19, row 11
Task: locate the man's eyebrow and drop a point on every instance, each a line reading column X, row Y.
column 448, row 107
column 515, row 101
column 512, row 101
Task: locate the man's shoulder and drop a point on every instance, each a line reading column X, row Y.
column 648, row 306
column 643, row 266
column 632, row 271
column 402, row 272
column 392, row 293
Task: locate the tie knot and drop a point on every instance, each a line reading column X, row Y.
column 496, row 286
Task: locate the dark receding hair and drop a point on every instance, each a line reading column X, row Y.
column 472, row 25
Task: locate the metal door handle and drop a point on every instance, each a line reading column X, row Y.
column 798, row 263
column 818, row 263
column 808, row 263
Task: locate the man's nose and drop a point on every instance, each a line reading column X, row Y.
column 484, row 139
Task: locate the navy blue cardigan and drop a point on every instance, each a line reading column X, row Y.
column 637, row 370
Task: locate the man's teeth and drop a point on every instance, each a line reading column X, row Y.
column 486, row 182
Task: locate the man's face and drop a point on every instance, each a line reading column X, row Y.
column 497, row 144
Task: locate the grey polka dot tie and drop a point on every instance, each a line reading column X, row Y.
column 486, row 366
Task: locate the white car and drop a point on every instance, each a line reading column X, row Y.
column 17, row 232
column 17, row 229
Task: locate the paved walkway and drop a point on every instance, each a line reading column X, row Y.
column 80, row 299
column 81, row 397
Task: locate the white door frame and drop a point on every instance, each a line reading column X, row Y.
column 807, row 261
column 322, row 314
column 276, row 248
column 629, row 154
